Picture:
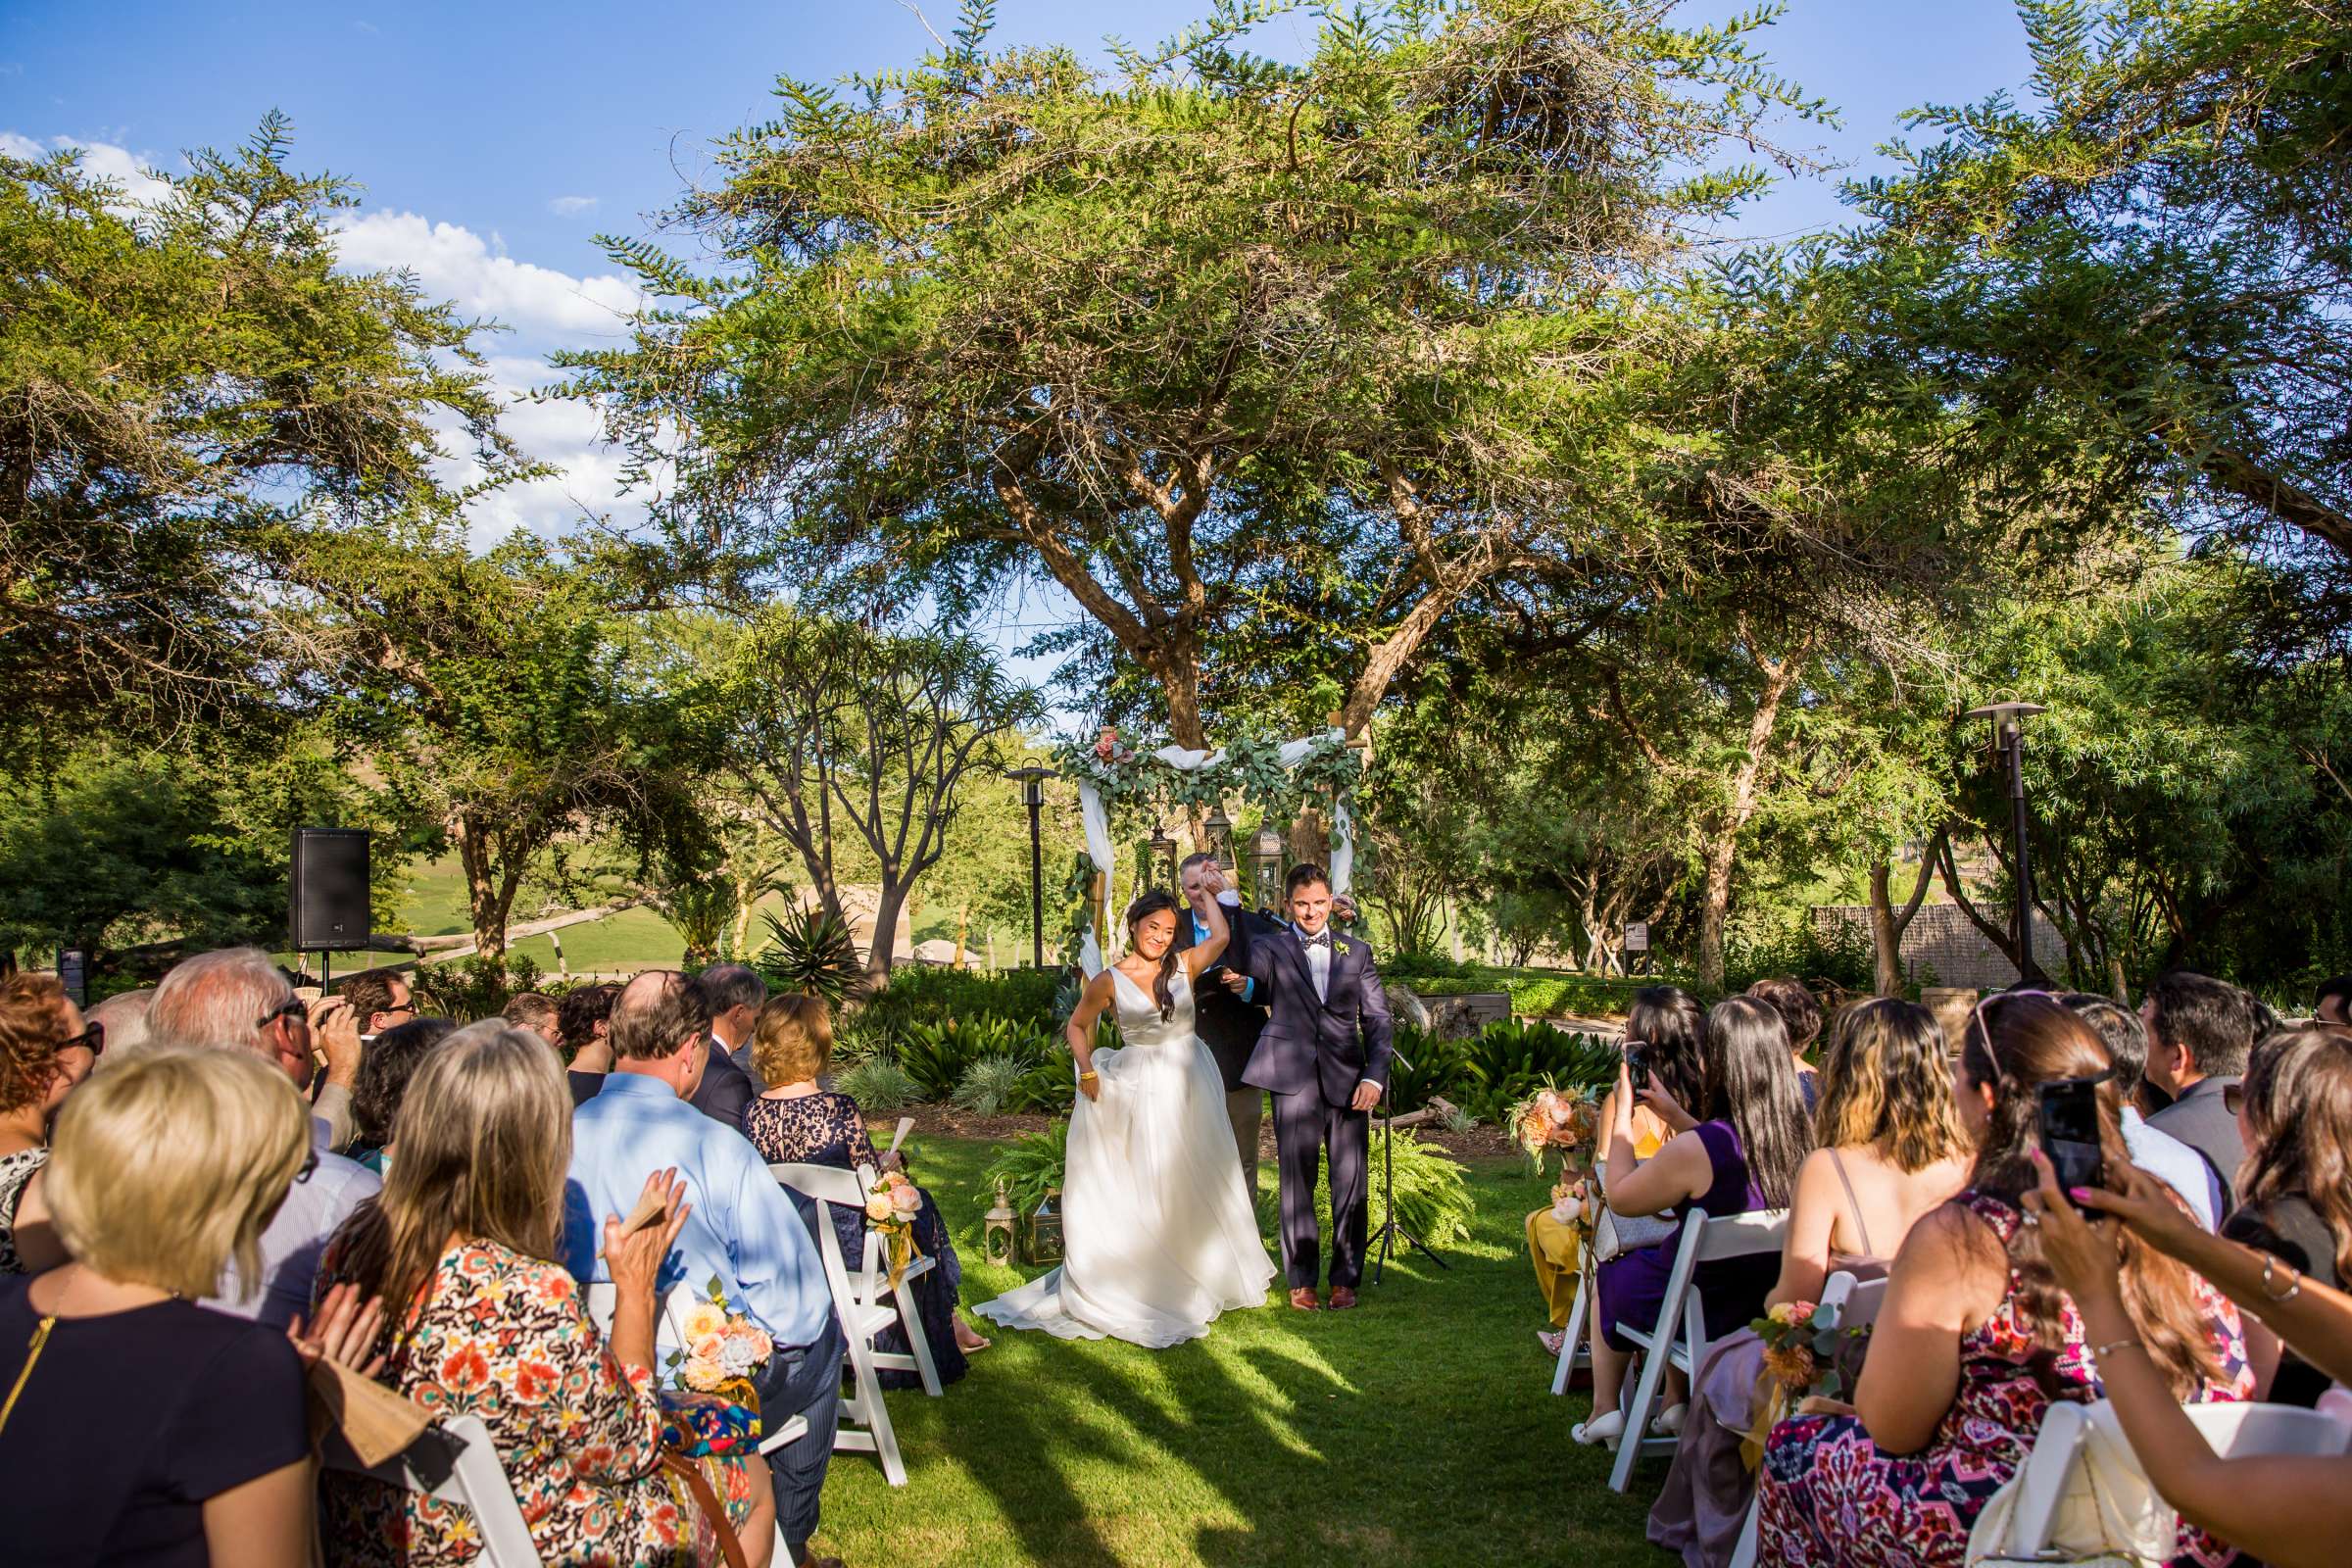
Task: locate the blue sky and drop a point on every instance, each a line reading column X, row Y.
column 496, row 139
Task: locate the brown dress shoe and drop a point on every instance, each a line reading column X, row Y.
column 1304, row 1299
column 1342, row 1297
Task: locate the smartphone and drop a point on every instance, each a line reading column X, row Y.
column 2070, row 1133
column 1637, row 1064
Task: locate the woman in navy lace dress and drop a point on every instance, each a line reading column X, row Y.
column 799, row 1123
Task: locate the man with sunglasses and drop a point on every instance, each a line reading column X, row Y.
column 237, row 1000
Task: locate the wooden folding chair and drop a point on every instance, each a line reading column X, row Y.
column 865, row 1421
column 1680, row 1338
column 456, row 1462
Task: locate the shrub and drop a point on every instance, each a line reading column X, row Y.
column 1029, row 1167
column 937, row 1054
column 1425, row 965
column 472, row 988
column 989, row 1085
column 1535, row 994
column 1508, row 1062
column 878, row 1085
column 855, row 1041
column 1841, row 959
column 1050, row 1086
column 921, row 993
column 1427, row 1064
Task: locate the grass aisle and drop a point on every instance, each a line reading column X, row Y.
column 1418, row 1428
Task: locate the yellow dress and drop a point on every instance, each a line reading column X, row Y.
column 1553, row 1244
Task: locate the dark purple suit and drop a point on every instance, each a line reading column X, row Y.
column 1311, row 1055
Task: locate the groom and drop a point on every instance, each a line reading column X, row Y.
column 1324, row 1056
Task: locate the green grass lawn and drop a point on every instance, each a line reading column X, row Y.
column 1418, row 1428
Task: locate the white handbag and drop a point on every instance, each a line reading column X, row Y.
column 2110, row 1515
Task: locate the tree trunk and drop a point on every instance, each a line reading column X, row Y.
column 1722, row 847
column 879, row 953
column 1887, row 927
column 488, row 895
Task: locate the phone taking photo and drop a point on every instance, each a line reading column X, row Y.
column 2068, row 1111
column 1637, row 1064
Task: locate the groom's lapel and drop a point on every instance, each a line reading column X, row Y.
column 1289, row 942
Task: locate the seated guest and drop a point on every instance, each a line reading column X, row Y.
column 1743, row 1158
column 2295, row 1187
column 468, row 1232
column 1889, row 1149
column 120, row 1024
column 2159, row 1153
column 1666, row 1026
column 237, row 1000
column 385, row 1068
column 797, row 1123
column 1800, row 1011
column 2288, row 1511
column 582, row 1018
column 714, row 1086
column 38, row 1026
column 742, row 1230
column 2199, row 1031
column 379, row 999
column 533, row 1010
column 733, row 995
column 165, row 1166
column 1975, row 1339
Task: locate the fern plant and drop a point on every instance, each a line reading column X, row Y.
column 1030, row 1167
column 811, row 952
column 989, row 1085
column 1433, row 1200
column 878, row 1085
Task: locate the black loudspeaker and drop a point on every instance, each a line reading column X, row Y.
column 328, row 892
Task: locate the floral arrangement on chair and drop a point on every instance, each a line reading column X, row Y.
column 713, row 1403
column 1801, row 1361
column 1551, row 1119
column 890, row 1207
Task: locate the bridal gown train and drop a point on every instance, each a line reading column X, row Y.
column 1158, row 1235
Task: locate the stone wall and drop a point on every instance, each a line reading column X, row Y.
column 1941, row 940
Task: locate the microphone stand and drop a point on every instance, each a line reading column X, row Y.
column 1389, row 1231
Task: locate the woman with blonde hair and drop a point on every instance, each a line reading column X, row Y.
column 799, row 1123
column 164, row 1168
column 1888, row 1149
column 464, row 1243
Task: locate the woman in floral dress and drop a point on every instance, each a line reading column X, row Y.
column 465, row 1234
column 1976, row 1340
column 797, row 1123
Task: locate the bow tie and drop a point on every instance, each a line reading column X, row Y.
column 1321, row 939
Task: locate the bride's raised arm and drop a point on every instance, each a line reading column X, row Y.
column 1200, row 955
column 1079, row 1031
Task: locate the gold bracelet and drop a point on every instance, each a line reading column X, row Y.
column 2268, row 1262
column 1088, row 1073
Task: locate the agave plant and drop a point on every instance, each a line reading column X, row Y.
column 811, row 951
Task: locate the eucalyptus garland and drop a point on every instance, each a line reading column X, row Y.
column 1136, row 786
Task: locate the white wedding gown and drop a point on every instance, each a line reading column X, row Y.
column 1158, row 1232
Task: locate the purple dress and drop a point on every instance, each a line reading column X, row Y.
column 1831, row 1499
column 1633, row 1284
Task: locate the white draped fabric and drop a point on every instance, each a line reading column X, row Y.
column 1183, row 760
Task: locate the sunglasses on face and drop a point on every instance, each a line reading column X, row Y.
column 92, row 1039
column 293, row 1009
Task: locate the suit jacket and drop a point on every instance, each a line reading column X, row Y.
column 725, row 1090
column 1329, row 1044
column 1226, row 1024
column 2199, row 1119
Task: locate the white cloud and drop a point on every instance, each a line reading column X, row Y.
column 571, row 205
column 456, row 264
column 126, row 168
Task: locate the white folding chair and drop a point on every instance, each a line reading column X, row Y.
column 871, row 1282
column 1575, row 1350
column 1855, row 1305
column 456, row 1462
column 865, row 1420
column 2234, row 1430
column 1680, row 1338
column 672, row 1330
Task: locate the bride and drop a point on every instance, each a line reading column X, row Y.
column 1159, row 1235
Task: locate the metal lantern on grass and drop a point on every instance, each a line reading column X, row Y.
column 997, row 1239
column 1045, row 1228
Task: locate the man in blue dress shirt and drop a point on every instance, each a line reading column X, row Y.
column 744, row 1230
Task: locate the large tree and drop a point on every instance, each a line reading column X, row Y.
column 186, row 380
column 1218, row 345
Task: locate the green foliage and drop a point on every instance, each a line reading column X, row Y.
column 918, row 992
column 1503, row 1063
column 472, row 988
column 1838, row 959
column 939, row 1054
column 1432, row 1202
column 811, row 951
column 989, row 1085
column 1537, row 995
column 1030, row 1166
column 878, row 1085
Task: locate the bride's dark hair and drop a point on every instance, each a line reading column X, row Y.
column 1163, row 984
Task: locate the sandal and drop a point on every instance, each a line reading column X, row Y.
column 1551, row 1339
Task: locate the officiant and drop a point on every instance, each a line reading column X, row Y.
column 1229, row 1015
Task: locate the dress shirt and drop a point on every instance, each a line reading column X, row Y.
column 745, row 1231
column 316, row 1206
column 2173, row 1163
column 1318, row 961
column 1249, row 989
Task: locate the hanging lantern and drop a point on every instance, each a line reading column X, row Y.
column 1219, row 828
column 1164, row 850
column 1045, row 1228
column 997, row 1241
column 1265, row 860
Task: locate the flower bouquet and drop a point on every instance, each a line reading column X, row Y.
column 1551, row 1119
column 890, row 1208
column 713, row 1403
column 1801, row 1359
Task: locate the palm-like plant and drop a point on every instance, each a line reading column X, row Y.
column 811, row 951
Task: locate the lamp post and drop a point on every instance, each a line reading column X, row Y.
column 2009, row 739
column 1033, row 795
